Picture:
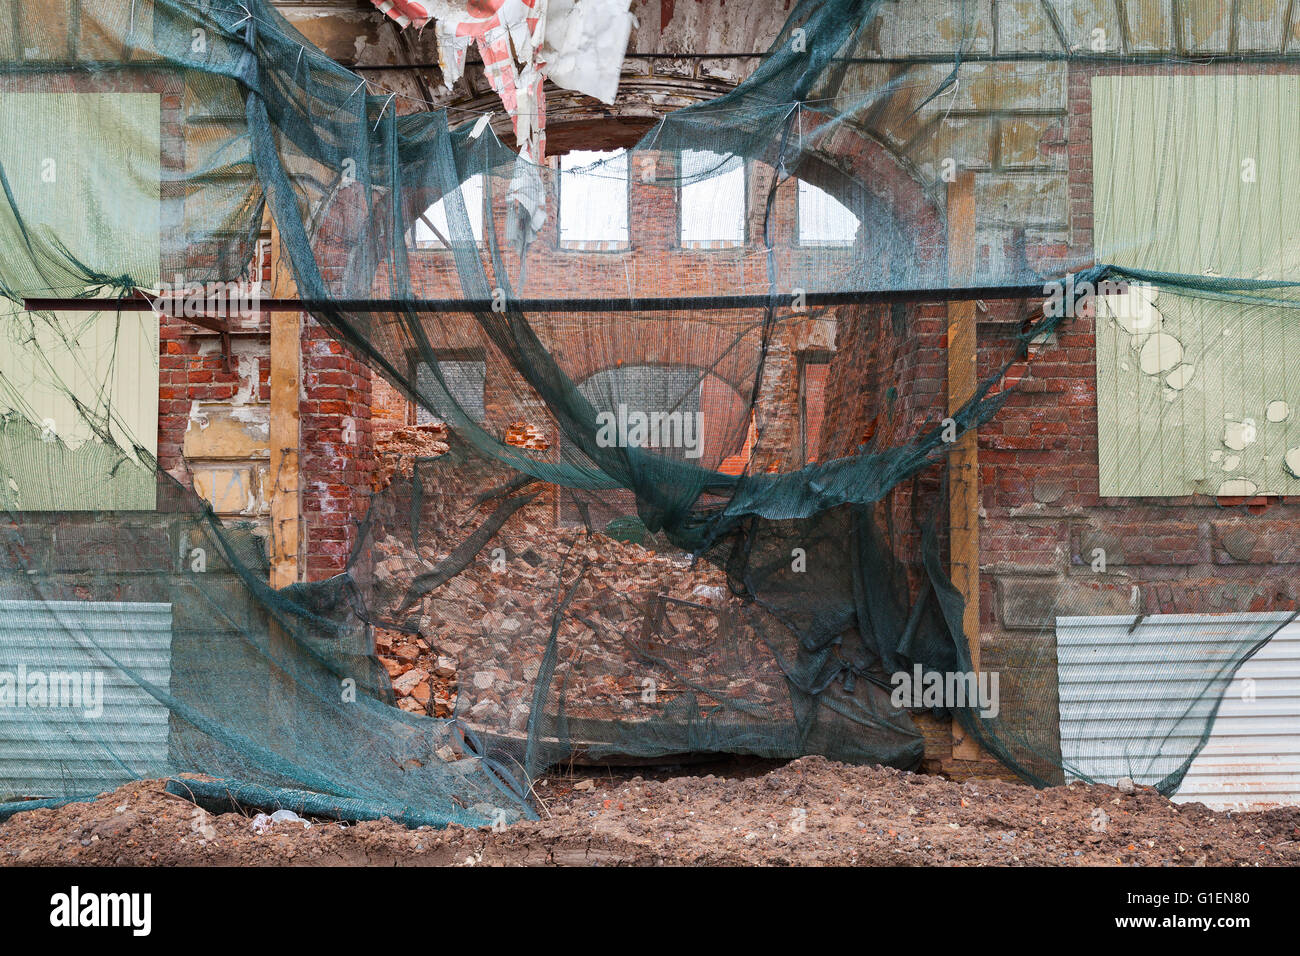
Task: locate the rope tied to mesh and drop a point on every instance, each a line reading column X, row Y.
column 383, row 110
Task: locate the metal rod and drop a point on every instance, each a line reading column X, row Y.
column 1045, row 56
column 612, row 304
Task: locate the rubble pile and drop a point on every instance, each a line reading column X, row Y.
column 642, row 631
column 397, row 449
column 424, row 683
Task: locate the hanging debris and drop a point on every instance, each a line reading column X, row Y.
column 576, row 45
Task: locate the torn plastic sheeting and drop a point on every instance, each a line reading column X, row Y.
column 586, row 41
column 528, row 198
column 262, row 823
column 403, row 12
column 578, row 45
column 509, row 38
column 496, row 26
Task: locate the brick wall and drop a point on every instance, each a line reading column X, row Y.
column 1041, row 482
column 389, row 408
column 214, row 405
column 658, row 264
column 1043, row 521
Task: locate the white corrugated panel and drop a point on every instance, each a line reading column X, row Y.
column 1107, row 674
column 115, row 730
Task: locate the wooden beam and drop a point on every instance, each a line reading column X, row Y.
column 287, row 559
column 963, row 458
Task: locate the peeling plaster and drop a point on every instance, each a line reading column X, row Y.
column 248, row 360
column 254, row 416
column 1238, row 435
column 196, row 416
column 1134, row 309
column 1293, row 462
column 1161, row 353
column 1238, row 488
column 1181, row 377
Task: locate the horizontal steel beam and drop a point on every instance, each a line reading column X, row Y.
column 613, row 304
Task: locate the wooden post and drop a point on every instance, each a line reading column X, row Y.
column 963, row 459
column 287, row 559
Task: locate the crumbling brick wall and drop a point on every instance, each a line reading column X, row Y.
column 1043, row 520
column 1042, row 450
column 1045, row 516
column 583, row 344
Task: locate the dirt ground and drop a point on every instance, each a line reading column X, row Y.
column 809, row 811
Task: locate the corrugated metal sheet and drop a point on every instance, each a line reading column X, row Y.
column 55, row 751
column 1252, row 758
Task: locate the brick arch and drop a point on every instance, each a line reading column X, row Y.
column 724, row 406
column 664, row 341
column 853, row 165
column 575, row 121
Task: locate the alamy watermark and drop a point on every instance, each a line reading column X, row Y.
column 225, row 300
column 73, row 909
column 1070, row 297
column 629, row 428
column 948, row 689
column 74, row 690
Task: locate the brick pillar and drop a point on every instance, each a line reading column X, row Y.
column 337, row 455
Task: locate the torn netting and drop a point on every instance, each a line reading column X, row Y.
column 631, row 546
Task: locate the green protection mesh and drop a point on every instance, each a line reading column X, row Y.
column 627, row 550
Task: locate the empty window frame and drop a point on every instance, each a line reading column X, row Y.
column 594, row 200
column 670, row 394
column 823, row 220
column 711, row 200
column 814, row 368
column 464, row 372
column 433, row 230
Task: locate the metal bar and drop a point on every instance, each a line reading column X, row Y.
column 613, row 304
column 1140, row 58
column 1045, row 56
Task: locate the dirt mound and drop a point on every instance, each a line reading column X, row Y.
column 810, row 811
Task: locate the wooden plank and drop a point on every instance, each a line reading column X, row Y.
column 287, row 538
column 287, row 560
column 963, row 459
